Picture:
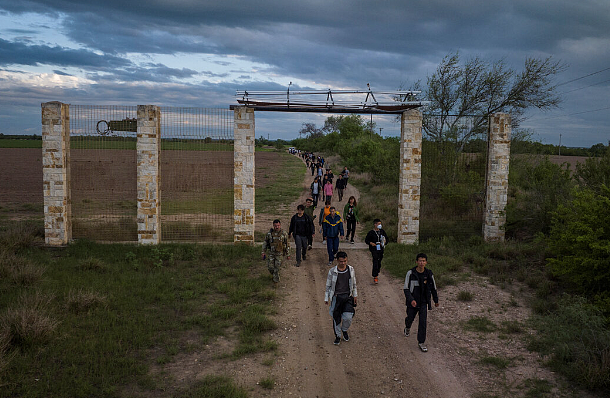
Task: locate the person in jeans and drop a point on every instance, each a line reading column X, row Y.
column 350, row 214
column 300, row 229
column 342, row 292
column 419, row 289
column 332, row 227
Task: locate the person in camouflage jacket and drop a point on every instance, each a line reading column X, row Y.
column 275, row 247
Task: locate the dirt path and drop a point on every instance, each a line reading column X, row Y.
column 377, row 361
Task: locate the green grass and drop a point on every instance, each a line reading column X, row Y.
column 17, row 143
column 284, row 184
column 100, row 315
column 480, row 324
column 496, row 362
column 267, row 383
column 464, row 295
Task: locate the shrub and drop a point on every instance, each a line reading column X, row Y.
column 580, row 243
column 28, row 322
column 465, row 296
column 480, row 324
column 535, row 191
column 576, row 341
column 78, row 301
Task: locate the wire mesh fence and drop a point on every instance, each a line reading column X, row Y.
column 103, row 172
column 453, row 181
column 196, row 174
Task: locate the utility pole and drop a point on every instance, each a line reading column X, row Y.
column 380, row 128
column 560, row 144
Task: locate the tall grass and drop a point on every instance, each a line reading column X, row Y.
column 101, row 314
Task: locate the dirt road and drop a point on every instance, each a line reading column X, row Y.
column 377, row 361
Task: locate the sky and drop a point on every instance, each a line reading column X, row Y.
column 192, row 53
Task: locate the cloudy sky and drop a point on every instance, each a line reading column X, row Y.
column 197, row 53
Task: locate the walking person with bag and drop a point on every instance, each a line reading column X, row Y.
column 376, row 240
column 342, row 292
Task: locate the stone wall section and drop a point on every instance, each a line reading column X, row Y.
column 148, row 149
column 243, row 157
column 410, row 176
column 56, row 173
column 496, row 181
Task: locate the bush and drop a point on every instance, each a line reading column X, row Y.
column 28, row 322
column 580, row 244
column 594, row 172
column 536, row 189
column 576, row 341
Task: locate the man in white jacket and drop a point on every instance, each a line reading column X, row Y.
column 343, row 295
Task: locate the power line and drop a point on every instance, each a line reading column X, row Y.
column 581, row 88
column 582, row 77
column 571, row 114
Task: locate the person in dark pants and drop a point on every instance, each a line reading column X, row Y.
column 350, row 214
column 376, row 240
column 340, row 186
column 342, row 293
column 300, row 229
column 309, row 209
column 419, row 288
column 332, row 227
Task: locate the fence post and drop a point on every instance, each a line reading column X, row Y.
column 410, row 176
column 56, row 173
column 496, row 181
column 148, row 149
column 243, row 158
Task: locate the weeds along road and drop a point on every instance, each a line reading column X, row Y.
column 377, row 361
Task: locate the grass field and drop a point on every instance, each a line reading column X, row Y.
column 92, row 319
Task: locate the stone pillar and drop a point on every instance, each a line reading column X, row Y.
column 56, row 173
column 149, row 193
column 243, row 157
column 410, row 176
column 496, row 181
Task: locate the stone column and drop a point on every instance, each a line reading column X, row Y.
column 149, row 193
column 496, row 181
column 56, row 173
column 243, row 157
column 410, row 176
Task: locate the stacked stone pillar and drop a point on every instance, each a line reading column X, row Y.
column 243, row 157
column 148, row 148
column 496, row 181
column 410, row 176
column 56, row 173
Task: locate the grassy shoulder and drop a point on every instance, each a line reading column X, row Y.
column 279, row 183
column 90, row 319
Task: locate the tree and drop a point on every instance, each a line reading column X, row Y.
column 462, row 96
column 310, row 129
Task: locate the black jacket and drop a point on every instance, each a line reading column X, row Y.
column 373, row 236
column 413, row 290
column 300, row 225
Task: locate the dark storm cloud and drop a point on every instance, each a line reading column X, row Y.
column 26, row 54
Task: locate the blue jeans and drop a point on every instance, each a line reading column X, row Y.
column 332, row 245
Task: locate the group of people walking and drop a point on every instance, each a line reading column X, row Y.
column 341, row 288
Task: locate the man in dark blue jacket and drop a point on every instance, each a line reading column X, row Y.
column 419, row 289
column 332, row 227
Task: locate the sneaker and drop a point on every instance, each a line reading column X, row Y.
column 304, row 257
column 352, row 242
column 309, row 247
column 407, row 332
column 422, row 347
column 345, row 335
column 297, row 264
column 330, row 263
column 337, row 340
column 375, row 280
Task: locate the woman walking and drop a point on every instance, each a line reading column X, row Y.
column 350, row 214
